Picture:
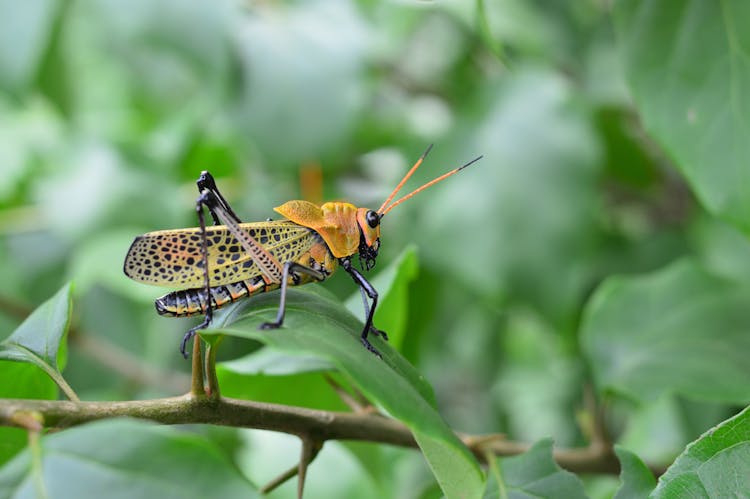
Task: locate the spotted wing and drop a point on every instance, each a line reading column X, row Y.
column 173, row 258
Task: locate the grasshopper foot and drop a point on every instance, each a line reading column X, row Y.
column 269, row 325
column 192, row 332
column 183, row 345
column 378, row 332
column 371, row 348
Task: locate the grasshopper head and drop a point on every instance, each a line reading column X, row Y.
column 369, row 227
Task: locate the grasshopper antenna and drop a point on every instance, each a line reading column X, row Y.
column 406, row 177
column 382, row 211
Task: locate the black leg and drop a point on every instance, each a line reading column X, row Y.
column 373, row 329
column 206, row 182
column 290, row 268
column 203, row 199
column 365, row 285
column 211, row 198
column 222, row 214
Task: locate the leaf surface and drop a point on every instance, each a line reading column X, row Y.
column 317, row 325
column 533, row 474
column 636, row 479
column 39, row 337
column 715, row 465
column 678, row 330
column 393, row 288
column 688, row 67
column 125, row 459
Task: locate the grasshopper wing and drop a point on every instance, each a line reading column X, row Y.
column 174, row 259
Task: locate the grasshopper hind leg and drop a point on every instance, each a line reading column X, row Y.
column 210, row 197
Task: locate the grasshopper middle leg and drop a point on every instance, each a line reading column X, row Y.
column 290, row 269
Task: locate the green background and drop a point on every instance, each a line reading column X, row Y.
column 600, row 245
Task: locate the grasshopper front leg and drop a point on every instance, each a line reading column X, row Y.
column 368, row 289
column 373, row 329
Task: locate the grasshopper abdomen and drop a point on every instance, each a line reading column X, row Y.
column 194, row 301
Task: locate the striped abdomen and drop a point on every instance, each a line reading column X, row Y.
column 187, row 302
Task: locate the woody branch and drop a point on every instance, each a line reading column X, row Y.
column 302, row 422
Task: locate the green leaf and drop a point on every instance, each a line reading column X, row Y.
column 316, row 324
column 393, row 289
column 534, row 474
column 637, row 480
column 688, row 66
column 305, row 390
column 124, row 459
column 679, row 330
column 38, row 338
column 28, row 382
column 268, row 375
column 12, row 441
column 274, row 363
column 723, row 249
column 715, row 465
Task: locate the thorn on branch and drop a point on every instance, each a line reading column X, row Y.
column 310, row 449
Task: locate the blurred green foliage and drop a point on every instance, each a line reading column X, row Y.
column 109, row 110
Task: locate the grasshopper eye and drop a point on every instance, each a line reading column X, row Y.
column 373, row 219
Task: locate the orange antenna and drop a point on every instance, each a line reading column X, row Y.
column 406, row 177
column 425, row 186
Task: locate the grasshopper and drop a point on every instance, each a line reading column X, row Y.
column 215, row 265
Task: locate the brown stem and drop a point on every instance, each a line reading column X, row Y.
column 196, row 383
column 321, row 425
